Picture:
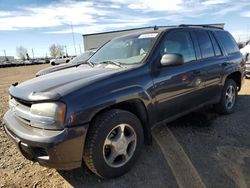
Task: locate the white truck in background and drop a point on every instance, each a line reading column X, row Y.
column 60, row 60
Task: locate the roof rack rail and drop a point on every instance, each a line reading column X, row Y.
column 215, row 26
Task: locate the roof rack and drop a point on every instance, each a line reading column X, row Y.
column 215, row 26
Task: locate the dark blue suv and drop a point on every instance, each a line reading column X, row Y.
column 101, row 113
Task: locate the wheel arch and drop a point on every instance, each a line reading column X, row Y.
column 236, row 76
column 138, row 108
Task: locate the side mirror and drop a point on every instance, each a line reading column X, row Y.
column 172, row 59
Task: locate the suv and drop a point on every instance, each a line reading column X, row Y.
column 59, row 60
column 103, row 112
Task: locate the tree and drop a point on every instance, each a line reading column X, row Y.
column 53, row 51
column 56, row 50
column 21, row 52
column 60, row 50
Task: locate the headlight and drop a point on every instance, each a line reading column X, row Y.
column 48, row 115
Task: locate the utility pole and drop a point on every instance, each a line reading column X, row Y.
column 5, row 55
column 80, row 49
column 247, row 32
column 33, row 53
column 66, row 50
column 73, row 37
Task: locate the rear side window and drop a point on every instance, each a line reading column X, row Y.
column 227, row 41
column 217, row 49
column 205, row 44
column 179, row 42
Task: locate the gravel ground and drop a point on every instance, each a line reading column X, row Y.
column 217, row 146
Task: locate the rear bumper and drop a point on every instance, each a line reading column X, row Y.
column 56, row 149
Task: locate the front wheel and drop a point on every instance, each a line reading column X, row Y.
column 113, row 143
column 228, row 98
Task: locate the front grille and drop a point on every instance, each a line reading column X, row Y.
column 23, row 102
column 20, row 110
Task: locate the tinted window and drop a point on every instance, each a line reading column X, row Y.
column 181, row 43
column 217, row 49
column 205, row 44
column 227, row 41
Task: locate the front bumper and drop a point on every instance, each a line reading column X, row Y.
column 56, row 149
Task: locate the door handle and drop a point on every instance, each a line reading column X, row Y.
column 225, row 64
column 197, row 72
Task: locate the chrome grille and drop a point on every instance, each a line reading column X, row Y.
column 21, row 112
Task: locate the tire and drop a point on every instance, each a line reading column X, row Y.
column 224, row 106
column 67, row 61
column 104, row 141
column 53, row 63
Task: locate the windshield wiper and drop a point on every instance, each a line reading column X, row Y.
column 111, row 62
column 90, row 63
column 84, row 62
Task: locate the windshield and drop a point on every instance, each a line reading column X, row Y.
column 125, row 50
column 82, row 57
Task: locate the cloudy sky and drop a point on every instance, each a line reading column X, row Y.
column 38, row 23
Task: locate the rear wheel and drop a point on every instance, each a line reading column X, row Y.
column 228, row 98
column 113, row 143
column 53, row 63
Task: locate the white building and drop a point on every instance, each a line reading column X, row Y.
column 3, row 58
column 96, row 40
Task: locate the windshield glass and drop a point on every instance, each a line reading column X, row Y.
column 125, row 50
column 82, row 57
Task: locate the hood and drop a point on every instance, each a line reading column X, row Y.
column 55, row 68
column 55, row 85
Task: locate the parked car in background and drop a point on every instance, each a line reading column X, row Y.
column 60, row 60
column 28, row 62
column 5, row 64
column 248, row 66
column 82, row 58
column 103, row 114
column 246, row 49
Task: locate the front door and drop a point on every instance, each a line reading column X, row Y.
column 178, row 88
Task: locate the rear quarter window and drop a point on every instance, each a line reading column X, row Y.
column 227, row 41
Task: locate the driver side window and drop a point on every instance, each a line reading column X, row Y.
column 179, row 42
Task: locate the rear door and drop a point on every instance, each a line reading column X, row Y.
column 211, row 60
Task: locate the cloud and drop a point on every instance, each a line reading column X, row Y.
column 232, row 7
column 155, row 5
column 245, row 14
column 97, row 16
column 215, row 2
column 58, row 14
column 114, row 25
column 5, row 13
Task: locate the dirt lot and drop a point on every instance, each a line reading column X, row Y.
column 202, row 149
